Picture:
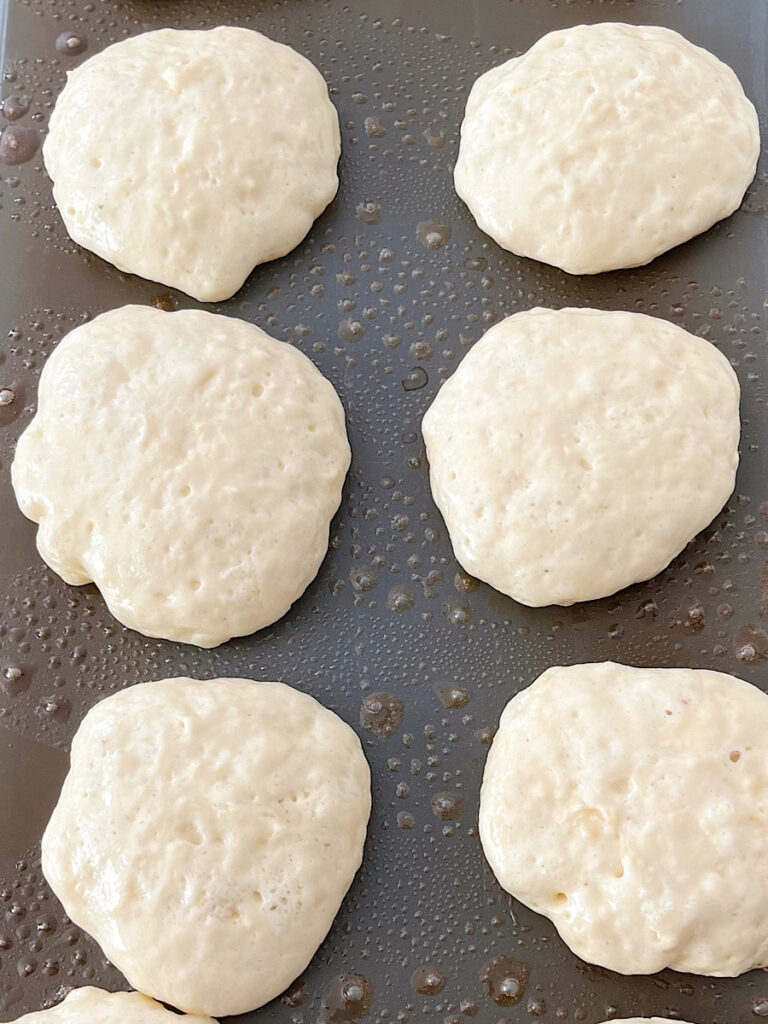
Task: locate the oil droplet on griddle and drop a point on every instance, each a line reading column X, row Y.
column 296, row 994
column 13, row 107
column 504, row 979
column 416, row 379
column 13, row 681
column 351, row 330
column 71, row 44
column 346, row 998
column 400, row 598
column 457, row 611
column 433, row 233
column 451, row 696
column 750, row 644
column 435, row 137
column 464, row 583
column 56, row 708
column 447, row 806
column 374, row 129
column 18, row 144
column 427, row 981
column 362, row 579
column 382, row 714
column 368, row 213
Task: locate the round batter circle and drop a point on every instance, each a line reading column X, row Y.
column 605, row 145
column 186, row 463
column 225, row 819
column 226, row 153
column 628, row 805
column 575, row 452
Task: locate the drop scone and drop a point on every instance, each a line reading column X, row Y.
column 206, row 834
column 226, row 152
column 189, row 465
column 575, row 451
column 630, row 806
column 92, row 1005
column 604, row 146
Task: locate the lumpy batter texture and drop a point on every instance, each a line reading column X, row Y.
column 206, row 835
column 604, row 146
column 576, row 451
column 190, row 156
column 629, row 805
column 189, row 465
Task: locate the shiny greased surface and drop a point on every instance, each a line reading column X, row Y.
column 189, row 465
column 95, row 1006
column 604, row 146
column 206, row 834
column 630, row 806
column 575, row 452
column 226, row 154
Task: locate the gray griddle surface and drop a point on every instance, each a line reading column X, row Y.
column 386, row 294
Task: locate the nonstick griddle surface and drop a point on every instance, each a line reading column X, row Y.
column 386, row 294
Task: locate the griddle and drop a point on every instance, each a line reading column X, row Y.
column 386, row 294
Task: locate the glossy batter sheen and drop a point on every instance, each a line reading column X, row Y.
column 575, row 451
column 95, row 1006
column 604, row 146
column 630, row 806
column 226, row 153
column 206, row 835
column 189, row 465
